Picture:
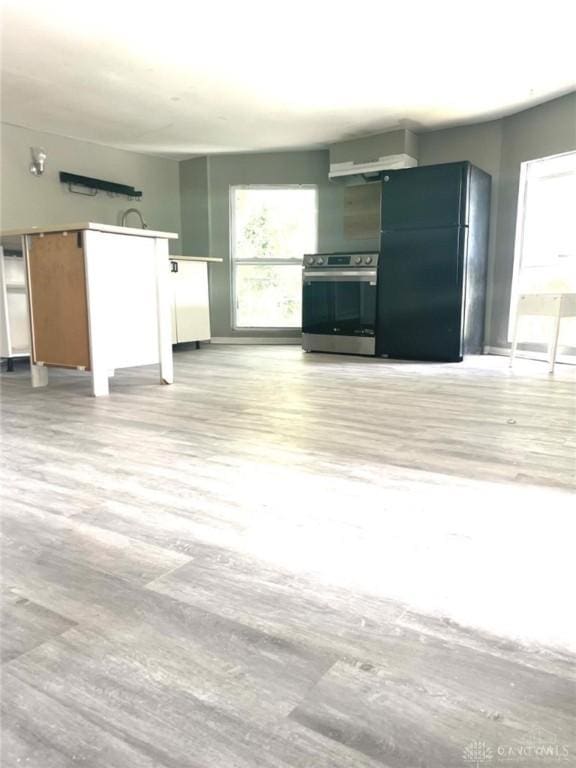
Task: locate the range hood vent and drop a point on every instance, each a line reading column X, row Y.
column 387, row 163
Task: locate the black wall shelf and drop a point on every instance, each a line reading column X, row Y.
column 97, row 185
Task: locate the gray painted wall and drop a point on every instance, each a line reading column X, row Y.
column 498, row 147
column 28, row 200
column 224, row 171
column 195, row 195
column 199, row 188
column 368, row 148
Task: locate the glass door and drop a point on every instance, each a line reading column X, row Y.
column 339, row 306
column 318, row 306
column 355, row 307
column 545, row 252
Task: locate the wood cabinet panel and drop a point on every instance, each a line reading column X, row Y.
column 362, row 211
column 59, row 313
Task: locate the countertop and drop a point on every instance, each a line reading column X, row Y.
column 90, row 225
column 211, row 259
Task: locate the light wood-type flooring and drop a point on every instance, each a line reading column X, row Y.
column 290, row 560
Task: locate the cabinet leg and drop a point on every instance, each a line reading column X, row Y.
column 164, row 307
column 553, row 347
column 100, row 383
column 166, row 370
column 514, row 340
column 39, row 375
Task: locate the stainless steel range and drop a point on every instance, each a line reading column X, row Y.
column 339, row 302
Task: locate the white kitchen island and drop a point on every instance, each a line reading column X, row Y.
column 99, row 299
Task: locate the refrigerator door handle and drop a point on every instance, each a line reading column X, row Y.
column 462, row 238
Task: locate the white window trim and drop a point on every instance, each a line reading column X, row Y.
column 518, row 246
column 274, row 262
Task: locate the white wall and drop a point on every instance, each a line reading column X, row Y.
column 28, row 200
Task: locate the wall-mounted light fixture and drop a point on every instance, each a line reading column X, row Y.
column 38, row 160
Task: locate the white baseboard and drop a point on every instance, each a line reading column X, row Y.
column 296, row 340
column 255, row 340
column 568, row 359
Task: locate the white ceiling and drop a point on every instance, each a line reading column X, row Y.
column 178, row 77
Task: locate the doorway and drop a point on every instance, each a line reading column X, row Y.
column 545, row 249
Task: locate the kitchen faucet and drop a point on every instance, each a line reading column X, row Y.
column 133, row 210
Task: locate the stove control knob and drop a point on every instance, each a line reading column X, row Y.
column 357, row 259
column 309, row 259
column 319, row 260
column 368, row 259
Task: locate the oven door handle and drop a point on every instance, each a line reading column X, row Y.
column 334, row 276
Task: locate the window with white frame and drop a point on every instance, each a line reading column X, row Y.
column 545, row 251
column 271, row 229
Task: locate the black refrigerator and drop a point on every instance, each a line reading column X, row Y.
column 432, row 267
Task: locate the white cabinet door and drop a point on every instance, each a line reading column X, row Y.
column 122, row 293
column 14, row 322
column 191, row 301
column 173, row 286
column 19, row 323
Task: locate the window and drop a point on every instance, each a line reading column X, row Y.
column 271, row 229
column 545, row 251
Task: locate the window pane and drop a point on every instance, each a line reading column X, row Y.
column 274, row 223
column 546, row 261
column 268, row 296
column 549, row 224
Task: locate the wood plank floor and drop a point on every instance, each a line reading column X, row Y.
column 290, row 561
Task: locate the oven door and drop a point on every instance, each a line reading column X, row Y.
column 339, row 302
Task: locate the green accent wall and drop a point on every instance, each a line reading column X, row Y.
column 498, row 147
column 192, row 197
column 208, row 206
